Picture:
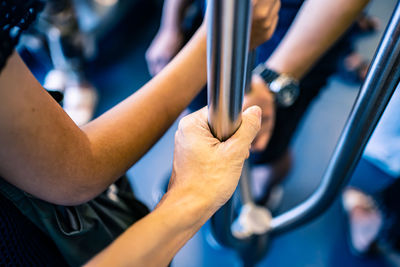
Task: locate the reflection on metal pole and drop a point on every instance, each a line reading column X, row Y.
column 227, row 49
column 245, row 182
column 227, row 52
column 380, row 83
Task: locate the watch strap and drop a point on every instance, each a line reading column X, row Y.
column 267, row 74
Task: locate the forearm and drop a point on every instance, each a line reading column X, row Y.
column 121, row 136
column 173, row 13
column 155, row 239
column 316, row 28
column 47, row 155
column 205, row 174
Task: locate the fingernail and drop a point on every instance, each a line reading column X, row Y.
column 256, row 110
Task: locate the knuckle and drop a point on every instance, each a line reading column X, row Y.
column 178, row 138
column 184, row 124
column 264, row 14
column 267, row 24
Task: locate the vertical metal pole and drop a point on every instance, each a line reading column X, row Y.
column 245, row 182
column 227, row 56
column 245, row 185
column 382, row 79
column 227, row 53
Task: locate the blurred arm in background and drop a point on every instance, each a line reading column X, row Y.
column 318, row 25
column 170, row 37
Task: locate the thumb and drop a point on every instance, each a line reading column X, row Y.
column 251, row 124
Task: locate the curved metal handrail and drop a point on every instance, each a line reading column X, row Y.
column 381, row 81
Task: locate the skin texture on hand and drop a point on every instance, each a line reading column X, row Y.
column 262, row 97
column 206, row 166
column 205, row 175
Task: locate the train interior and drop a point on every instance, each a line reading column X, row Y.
column 119, row 69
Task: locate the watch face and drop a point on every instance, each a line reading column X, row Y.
column 287, row 95
column 285, row 89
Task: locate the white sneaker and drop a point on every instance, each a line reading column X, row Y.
column 365, row 219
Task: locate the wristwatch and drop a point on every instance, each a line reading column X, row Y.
column 284, row 87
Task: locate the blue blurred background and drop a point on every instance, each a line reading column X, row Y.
column 120, row 69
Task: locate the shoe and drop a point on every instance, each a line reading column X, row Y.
column 365, row 221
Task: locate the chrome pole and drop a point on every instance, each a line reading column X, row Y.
column 227, row 53
column 227, row 59
column 245, row 182
column 382, row 79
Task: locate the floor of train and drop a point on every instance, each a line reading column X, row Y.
column 320, row 243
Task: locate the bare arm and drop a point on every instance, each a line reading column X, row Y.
column 316, row 28
column 169, row 38
column 155, row 239
column 197, row 189
column 44, row 153
column 173, row 13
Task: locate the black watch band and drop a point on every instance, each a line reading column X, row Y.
column 284, row 87
column 267, row 74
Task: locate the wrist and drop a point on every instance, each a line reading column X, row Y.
column 281, row 66
column 190, row 209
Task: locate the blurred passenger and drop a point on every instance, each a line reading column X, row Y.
column 372, row 204
column 302, row 53
column 52, row 169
